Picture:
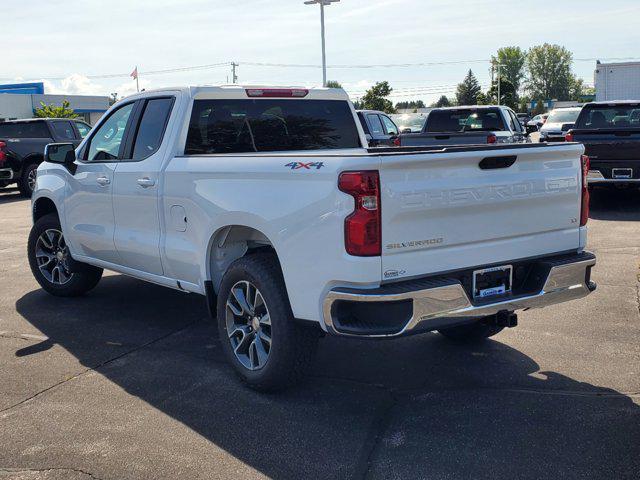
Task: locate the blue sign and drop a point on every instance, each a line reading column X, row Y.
column 23, row 88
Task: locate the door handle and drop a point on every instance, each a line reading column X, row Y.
column 103, row 181
column 146, row 182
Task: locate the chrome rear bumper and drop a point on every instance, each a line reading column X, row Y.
column 442, row 305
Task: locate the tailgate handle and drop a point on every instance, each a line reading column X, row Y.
column 490, row 163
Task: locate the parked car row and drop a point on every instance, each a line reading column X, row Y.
column 22, row 145
column 610, row 132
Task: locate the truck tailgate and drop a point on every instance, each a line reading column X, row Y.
column 610, row 145
column 441, row 211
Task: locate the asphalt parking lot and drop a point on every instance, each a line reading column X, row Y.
column 129, row 382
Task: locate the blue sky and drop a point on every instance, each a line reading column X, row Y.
column 64, row 41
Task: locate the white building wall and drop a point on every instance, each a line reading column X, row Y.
column 617, row 81
column 15, row 106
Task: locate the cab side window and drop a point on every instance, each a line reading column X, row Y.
column 105, row 143
column 375, row 124
column 151, row 128
column 389, row 125
column 83, row 129
column 63, row 130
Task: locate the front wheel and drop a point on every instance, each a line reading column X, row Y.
column 51, row 263
column 263, row 343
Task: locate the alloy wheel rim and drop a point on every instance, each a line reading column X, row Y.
column 52, row 257
column 248, row 325
column 31, row 178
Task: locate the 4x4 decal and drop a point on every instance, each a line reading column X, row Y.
column 308, row 166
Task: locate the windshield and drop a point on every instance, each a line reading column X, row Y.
column 609, row 116
column 413, row 122
column 563, row 116
column 464, row 120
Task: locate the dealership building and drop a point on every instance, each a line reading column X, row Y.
column 22, row 99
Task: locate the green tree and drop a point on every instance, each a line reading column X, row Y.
column 443, row 101
column 333, row 84
column 413, row 104
column 550, row 75
column 508, row 95
column 468, row 90
column 54, row 111
column 376, row 98
column 512, row 61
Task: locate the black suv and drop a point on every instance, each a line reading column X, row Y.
column 22, row 145
column 379, row 129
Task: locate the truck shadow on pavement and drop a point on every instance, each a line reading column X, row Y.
column 610, row 203
column 417, row 407
column 10, row 195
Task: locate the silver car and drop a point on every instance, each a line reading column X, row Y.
column 559, row 122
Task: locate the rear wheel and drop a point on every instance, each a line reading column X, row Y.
column 471, row 333
column 27, row 183
column 51, row 263
column 263, row 343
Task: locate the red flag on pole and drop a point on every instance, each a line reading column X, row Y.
column 134, row 74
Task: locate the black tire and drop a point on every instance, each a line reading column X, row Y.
column 82, row 277
column 26, row 190
column 471, row 333
column 291, row 347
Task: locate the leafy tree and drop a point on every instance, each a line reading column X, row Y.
column 483, row 99
column 333, row 84
column 443, row 101
column 54, row 111
column 413, row 104
column 468, row 90
column 507, row 93
column 375, row 98
column 513, row 60
column 550, row 75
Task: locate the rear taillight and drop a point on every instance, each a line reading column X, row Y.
column 491, row 138
column 277, row 92
column 362, row 230
column 396, row 142
column 584, row 210
column 568, row 137
column 3, row 153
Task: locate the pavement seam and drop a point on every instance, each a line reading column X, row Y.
column 376, row 432
column 62, row 469
column 95, row 367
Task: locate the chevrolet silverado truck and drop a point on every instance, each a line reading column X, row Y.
column 474, row 125
column 268, row 203
column 22, row 145
column 610, row 133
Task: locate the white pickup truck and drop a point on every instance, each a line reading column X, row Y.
column 266, row 201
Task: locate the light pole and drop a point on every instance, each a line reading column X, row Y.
column 322, row 4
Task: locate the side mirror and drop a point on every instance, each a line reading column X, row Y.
column 368, row 137
column 62, row 153
column 406, row 130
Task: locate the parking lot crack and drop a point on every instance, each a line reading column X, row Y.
column 96, row 367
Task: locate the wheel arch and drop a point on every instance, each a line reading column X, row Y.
column 36, row 158
column 229, row 243
column 43, row 206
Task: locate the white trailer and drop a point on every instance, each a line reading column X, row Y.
column 617, row 81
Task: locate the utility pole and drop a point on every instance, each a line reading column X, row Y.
column 234, row 77
column 499, row 65
column 324, row 60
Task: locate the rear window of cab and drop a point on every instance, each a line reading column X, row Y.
column 270, row 125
